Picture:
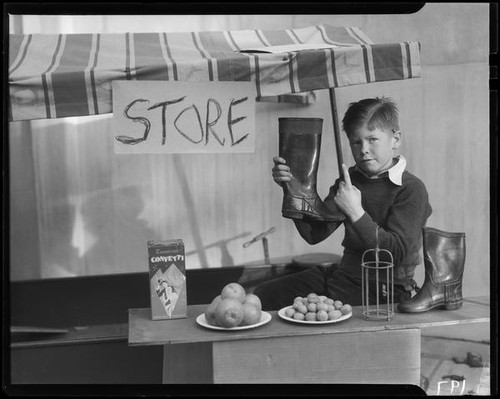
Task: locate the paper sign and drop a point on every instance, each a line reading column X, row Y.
column 183, row 117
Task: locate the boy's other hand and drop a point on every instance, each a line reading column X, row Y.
column 348, row 198
column 281, row 171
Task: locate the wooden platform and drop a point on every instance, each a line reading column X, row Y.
column 353, row 351
column 144, row 331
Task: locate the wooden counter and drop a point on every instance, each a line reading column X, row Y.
column 352, row 351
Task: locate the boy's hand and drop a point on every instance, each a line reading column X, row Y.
column 348, row 198
column 281, row 171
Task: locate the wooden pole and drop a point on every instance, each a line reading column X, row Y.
column 336, row 131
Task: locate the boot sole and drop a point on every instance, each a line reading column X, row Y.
column 442, row 306
column 302, row 215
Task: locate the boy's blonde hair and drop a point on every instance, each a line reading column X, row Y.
column 378, row 112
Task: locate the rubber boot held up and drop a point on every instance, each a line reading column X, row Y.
column 300, row 145
column 444, row 259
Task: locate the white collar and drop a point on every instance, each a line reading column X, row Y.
column 395, row 172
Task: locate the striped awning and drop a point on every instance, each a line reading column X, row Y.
column 54, row 76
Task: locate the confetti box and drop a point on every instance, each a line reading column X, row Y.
column 167, row 279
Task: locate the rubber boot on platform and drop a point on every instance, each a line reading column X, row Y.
column 299, row 145
column 444, row 259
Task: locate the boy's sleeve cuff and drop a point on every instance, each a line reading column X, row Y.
column 365, row 227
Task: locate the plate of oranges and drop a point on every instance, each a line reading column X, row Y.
column 316, row 309
column 234, row 309
column 264, row 319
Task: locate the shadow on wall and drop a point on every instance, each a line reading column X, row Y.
column 226, row 257
column 110, row 236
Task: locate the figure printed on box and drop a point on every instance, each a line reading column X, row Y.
column 168, row 286
column 164, row 292
column 378, row 192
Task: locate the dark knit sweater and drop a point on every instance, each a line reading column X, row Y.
column 399, row 211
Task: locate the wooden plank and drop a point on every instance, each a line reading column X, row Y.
column 36, row 330
column 188, row 364
column 482, row 300
column 381, row 357
column 79, row 335
column 144, row 331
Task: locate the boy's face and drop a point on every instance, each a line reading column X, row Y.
column 373, row 149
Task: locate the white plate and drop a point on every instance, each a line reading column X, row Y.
column 281, row 313
column 264, row 319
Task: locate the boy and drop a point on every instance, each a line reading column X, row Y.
column 377, row 193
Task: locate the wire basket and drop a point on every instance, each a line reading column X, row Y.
column 377, row 275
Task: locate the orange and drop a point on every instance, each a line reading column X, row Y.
column 254, row 300
column 210, row 311
column 229, row 312
column 251, row 314
column 234, row 290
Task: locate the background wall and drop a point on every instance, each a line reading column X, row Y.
column 79, row 209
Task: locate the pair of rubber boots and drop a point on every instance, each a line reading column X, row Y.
column 300, row 146
column 444, row 260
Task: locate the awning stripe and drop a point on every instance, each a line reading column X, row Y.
column 312, row 70
column 46, row 79
column 20, row 55
column 68, row 80
column 365, row 61
column 234, row 68
column 69, row 75
column 149, row 58
column 128, row 56
column 356, row 35
column 339, row 36
column 204, row 55
column 388, row 62
column 89, row 75
column 369, row 60
column 414, row 60
column 169, row 54
column 262, row 38
column 291, row 73
column 323, row 34
column 332, row 70
column 294, row 35
column 407, row 59
column 278, row 37
column 257, row 75
column 404, row 61
column 230, row 41
column 166, row 59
